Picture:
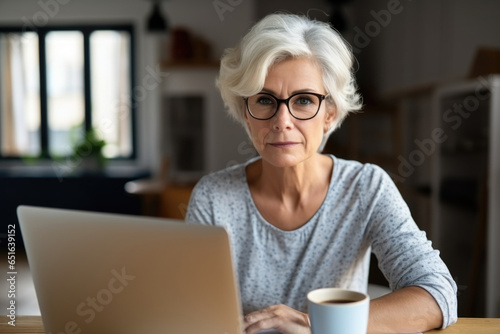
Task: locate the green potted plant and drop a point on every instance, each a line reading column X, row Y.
column 88, row 152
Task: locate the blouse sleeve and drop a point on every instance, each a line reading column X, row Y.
column 405, row 255
column 200, row 208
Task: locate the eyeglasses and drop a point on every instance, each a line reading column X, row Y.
column 301, row 106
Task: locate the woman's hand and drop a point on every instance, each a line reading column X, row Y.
column 279, row 317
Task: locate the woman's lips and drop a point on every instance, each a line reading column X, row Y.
column 283, row 144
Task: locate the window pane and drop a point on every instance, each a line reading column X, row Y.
column 110, row 82
column 19, row 94
column 65, row 95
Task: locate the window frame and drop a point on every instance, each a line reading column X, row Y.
column 86, row 30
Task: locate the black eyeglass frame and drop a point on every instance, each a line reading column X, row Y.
column 286, row 102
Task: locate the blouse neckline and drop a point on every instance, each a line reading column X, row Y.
column 308, row 225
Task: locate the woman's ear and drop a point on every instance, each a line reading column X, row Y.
column 330, row 117
column 247, row 123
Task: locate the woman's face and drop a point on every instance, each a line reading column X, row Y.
column 284, row 141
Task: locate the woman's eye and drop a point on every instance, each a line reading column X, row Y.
column 265, row 100
column 303, row 100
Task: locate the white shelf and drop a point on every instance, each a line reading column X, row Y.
column 469, row 114
column 224, row 142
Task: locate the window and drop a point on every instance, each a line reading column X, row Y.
column 58, row 83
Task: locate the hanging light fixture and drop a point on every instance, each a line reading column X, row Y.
column 156, row 21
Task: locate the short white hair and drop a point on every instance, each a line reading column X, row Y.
column 275, row 38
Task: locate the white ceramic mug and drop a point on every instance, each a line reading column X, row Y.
column 338, row 311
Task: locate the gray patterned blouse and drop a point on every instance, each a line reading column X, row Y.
column 362, row 211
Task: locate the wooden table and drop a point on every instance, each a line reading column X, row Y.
column 24, row 325
column 33, row 324
column 472, row 326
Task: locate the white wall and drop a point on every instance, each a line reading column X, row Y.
column 222, row 28
column 426, row 41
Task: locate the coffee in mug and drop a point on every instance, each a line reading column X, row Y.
column 338, row 301
column 338, row 311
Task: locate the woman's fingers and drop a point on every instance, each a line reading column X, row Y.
column 279, row 317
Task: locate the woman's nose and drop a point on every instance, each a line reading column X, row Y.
column 283, row 119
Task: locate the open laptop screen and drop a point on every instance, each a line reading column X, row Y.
column 107, row 273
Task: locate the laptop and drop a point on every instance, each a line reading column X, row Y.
column 104, row 273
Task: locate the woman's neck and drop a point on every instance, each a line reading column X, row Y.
column 291, row 183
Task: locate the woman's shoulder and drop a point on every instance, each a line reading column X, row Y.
column 351, row 171
column 354, row 167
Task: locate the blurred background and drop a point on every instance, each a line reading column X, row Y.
column 110, row 105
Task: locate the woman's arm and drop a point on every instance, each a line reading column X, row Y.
column 407, row 260
column 408, row 310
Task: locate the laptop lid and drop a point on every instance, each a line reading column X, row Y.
column 107, row 273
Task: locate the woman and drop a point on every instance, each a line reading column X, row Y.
column 300, row 220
